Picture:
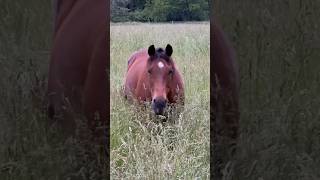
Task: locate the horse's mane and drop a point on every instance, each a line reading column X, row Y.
column 160, row 53
column 159, row 50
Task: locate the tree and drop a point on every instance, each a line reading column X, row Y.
column 159, row 10
column 119, row 12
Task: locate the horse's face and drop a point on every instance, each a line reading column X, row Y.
column 160, row 71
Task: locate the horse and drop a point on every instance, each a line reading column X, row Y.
column 152, row 76
column 77, row 70
column 225, row 101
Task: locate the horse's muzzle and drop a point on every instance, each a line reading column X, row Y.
column 159, row 105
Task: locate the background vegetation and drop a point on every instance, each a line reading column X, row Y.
column 159, row 10
column 137, row 152
column 278, row 49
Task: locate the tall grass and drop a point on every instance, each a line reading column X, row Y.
column 277, row 44
column 137, row 152
column 29, row 148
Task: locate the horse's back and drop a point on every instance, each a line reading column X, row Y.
column 225, row 65
column 226, row 101
column 139, row 55
column 76, row 41
column 79, row 56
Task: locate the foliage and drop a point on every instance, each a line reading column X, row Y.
column 160, row 10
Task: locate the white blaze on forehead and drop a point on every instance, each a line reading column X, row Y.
column 160, row 65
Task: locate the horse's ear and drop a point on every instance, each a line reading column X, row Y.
column 151, row 50
column 169, row 50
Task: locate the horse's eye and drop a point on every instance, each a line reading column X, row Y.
column 149, row 71
column 170, row 71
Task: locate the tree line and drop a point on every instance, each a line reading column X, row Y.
column 159, row 10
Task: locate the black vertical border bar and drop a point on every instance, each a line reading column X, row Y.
column 107, row 146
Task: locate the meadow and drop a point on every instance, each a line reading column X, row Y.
column 136, row 151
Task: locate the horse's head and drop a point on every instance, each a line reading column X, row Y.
column 160, row 72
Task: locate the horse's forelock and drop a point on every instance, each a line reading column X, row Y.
column 160, row 50
column 160, row 54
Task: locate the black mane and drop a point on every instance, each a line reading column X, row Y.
column 160, row 53
column 159, row 50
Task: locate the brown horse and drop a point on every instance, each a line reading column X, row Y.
column 225, row 94
column 153, row 76
column 77, row 71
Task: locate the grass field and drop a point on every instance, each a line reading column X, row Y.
column 136, row 152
